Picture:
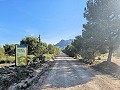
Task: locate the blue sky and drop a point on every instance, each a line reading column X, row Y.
column 52, row 19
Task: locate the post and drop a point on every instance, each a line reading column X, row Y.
column 39, row 39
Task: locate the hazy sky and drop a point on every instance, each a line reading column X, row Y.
column 52, row 19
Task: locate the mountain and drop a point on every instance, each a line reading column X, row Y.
column 63, row 43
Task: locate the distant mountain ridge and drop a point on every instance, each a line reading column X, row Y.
column 63, row 43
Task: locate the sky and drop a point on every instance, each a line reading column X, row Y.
column 54, row 20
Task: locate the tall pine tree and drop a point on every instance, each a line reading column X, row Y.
column 103, row 28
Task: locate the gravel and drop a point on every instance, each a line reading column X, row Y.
column 69, row 74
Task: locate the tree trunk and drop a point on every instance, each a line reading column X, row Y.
column 110, row 54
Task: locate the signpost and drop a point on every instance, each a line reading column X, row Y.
column 21, row 55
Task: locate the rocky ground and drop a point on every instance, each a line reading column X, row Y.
column 13, row 77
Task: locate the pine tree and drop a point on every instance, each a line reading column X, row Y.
column 103, row 28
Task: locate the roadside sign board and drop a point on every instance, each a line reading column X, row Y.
column 21, row 55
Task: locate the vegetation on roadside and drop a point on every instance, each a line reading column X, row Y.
column 5, row 58
column 101, row 33
column 36, row 48
column 49, row 56
column 2, row 53
column 38, row 53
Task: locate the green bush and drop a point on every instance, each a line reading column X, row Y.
column 31, row 56
column 49, row 56
column 7, row 59
column 2, row 53
column 11, row 58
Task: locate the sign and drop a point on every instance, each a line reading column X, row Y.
column 21, row 55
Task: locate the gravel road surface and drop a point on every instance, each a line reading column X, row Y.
column 69, row 74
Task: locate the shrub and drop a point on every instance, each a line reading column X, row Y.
column 31, row 56
column 49, row 56
column 2, row 53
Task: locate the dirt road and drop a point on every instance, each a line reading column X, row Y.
column 69, row 74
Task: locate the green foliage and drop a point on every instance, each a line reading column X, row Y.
column 103, row 50
column 2, row 53
column 49, row 56
column 9, row 49
column 101, row 32
column 77, row 44
column 102, row 28
column 41, row 49
column 11, row 58
column 5, row 58
column 53, row 49
column 31, row 42
column 37, row 48
column 31, row 56
column 70, row 50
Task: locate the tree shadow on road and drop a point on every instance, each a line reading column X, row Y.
column 68, row 73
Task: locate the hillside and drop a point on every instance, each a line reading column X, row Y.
column 63, row 43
